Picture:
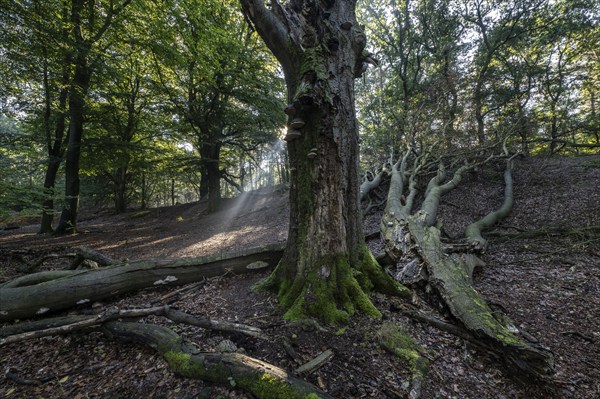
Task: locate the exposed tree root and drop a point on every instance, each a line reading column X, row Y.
column 261, row 379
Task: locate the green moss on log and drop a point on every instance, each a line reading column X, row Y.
column 267, row 386
column 398, row 342
column 372, row 276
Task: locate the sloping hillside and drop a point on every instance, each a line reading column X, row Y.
column 543, row 269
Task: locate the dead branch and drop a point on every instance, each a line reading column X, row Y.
column 69, row 324
column 315, row 363
column 473, row 231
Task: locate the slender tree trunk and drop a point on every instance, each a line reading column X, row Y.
column 78, row 91
column 478, row 105
column 55, row 147
column 144, row 191
column 121, row 190
column 211, row 153
column 48, row 203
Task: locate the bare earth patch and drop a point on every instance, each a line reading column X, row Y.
column 548, row 283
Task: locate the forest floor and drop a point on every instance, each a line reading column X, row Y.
column 547, row 283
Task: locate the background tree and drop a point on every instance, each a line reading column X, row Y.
column 220, row 82
column 89, row 22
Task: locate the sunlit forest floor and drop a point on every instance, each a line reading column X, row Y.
column 543, row 269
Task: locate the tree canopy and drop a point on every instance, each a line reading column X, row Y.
column 191, row 76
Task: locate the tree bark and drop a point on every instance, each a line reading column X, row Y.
column 211, row 153
column 320, row 47
column 29, row 296
column 77, row 93
column 54, row 147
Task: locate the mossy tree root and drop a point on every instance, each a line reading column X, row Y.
column 263, row 380
column 335, row 291
column 330, row 294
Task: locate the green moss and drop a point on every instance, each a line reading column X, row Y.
column 372, row 276
column 180, row 363
column 398, row 342
column 266, row 284
column 478, row 308
column 341, row 331
column 331, row 299
column 313, row 61
column 185, row 365
column 267, row 386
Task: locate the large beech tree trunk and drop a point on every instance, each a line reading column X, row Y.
column 320, row 47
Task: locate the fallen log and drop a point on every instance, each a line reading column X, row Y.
column 81, row 287
column 450, row 278
column 263, row 380
column 413, row 242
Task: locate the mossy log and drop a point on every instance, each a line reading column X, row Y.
column 412, row 241
column 263, row 380
column 72, row 288
column 449, row 276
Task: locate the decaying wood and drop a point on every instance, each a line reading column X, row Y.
column 84, row 253
column 316, row 363
column 261, row 379
column 450, row 278
column 18, row 301
column 412, row 239
column 67, row 324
